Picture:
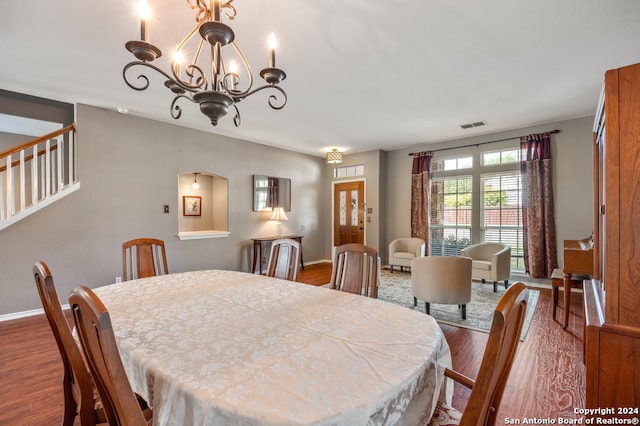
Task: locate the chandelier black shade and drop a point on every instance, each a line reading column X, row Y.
column 222, row 88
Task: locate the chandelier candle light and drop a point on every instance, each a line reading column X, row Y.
column 220, row 90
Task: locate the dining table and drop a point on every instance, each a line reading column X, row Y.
column 218, row 347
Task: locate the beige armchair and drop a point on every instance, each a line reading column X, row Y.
column 441, row 279
column 403, row 250
column 491, row 261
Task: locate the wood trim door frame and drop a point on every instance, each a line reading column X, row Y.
column 333, row 191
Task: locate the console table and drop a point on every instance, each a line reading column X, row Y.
column 259, row 243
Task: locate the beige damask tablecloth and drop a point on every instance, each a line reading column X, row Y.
column 221, row 347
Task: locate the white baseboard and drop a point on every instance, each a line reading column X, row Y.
column 313, row 262
column 25, row 314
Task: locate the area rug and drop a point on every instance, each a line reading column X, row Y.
column 396, row 288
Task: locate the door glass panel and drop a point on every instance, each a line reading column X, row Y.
column 354, row 207
column 343, row 208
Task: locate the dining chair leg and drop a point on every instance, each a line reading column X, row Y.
column 567, row 301
column 495, row 286
column 464, row 312
column 70, row 404
column 415, row 301
column 427, row 308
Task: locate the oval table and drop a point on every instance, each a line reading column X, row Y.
column 221, row 347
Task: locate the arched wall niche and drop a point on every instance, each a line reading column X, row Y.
column 203, row 208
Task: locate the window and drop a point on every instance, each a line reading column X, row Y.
column 348, row 171
column 451, row 208
column 501, row 214
column 476, row 197
column 452, row 163
column 505, row 156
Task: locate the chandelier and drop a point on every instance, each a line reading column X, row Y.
column 222, row 88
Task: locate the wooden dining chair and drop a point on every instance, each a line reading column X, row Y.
column 487, row 389
column 99, row 344
column 143, row 257
column 78, row 388
column 355, row 269
column 284, row 259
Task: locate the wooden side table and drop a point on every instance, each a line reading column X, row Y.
column 567, row 282
column 259, row 243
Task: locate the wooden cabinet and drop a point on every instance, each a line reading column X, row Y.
column 612, row 299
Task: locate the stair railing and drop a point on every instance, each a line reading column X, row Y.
column 37, row 171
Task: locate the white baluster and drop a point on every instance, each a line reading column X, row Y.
column 23, row 192
column 60, row 166
column 34, row 176
column 11, row 205
column 43, row 177
column 47, row 168
column 2, row 194
column 72, row 164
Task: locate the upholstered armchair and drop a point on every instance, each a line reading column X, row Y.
column 403, row 250
column 441, row 279
column 491, row 261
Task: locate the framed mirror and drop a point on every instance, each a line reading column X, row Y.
column 270, row 192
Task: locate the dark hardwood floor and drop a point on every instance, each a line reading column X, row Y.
column 548, row 377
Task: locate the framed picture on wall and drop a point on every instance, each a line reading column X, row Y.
column 191, row 205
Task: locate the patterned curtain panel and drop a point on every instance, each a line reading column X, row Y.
column 537, row 206
column 421, row 195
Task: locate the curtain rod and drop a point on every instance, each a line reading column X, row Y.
column 552, row 132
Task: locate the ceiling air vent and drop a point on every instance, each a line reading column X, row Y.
column 472, row 125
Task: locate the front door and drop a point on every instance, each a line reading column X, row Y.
column 348, row 213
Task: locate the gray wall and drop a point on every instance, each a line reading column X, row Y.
column 9, row 140
column 128, row 169
column 573, row 179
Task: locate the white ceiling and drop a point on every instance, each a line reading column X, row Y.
column 361, row 74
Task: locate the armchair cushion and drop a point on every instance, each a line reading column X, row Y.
column 404, row 255
column 482, row 264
